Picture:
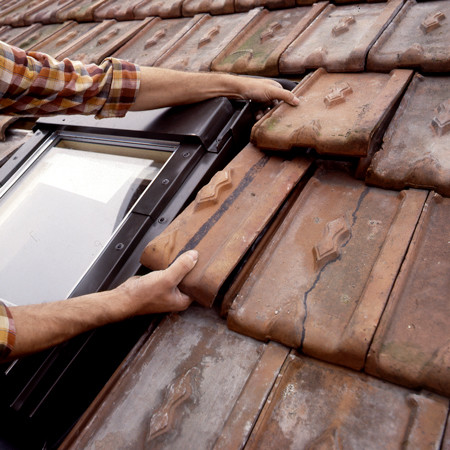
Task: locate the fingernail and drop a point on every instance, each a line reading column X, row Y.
column 194, row 255
column 296, row 101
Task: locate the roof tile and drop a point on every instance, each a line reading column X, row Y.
column 226, row 217
column 187, row 383
column 14, row 35
column 417, row 37
column 13, row 14
column 211, row 35
column 318, row 285
column 315, row 405
column 48, row 13
column 412, row 345
column 83, row 11
column 161, row 8
column 257, row 49
column 116, row 9
column 416, row 145
column 192, row 7
column 102, row 40
column 339, row 39
column 246, row 5
column 155, row 39
column 339, row 114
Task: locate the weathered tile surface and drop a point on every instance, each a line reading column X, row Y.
column 56, row 43
column 246, row 5
column 323, row 280
column 412, row 344
column 116, row 9
column 12, row 35
column 192, row 7
column 13, row 14
column 185, row 385
column 83, row 11
column 416, row 145
column 161, row 8
column 155, row 39
column 102, row 40
column 318, row 406
column 417, row 37
column 339, row 39
column 208, row 37
column 258, row 48
column 29, row 40
column 340, row 114
column 48, row 13
column 226, row 217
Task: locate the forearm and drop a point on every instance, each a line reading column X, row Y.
column 44, row 325
column 165, row 87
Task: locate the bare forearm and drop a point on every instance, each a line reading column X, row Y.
column 44, row 325
column 164, row 87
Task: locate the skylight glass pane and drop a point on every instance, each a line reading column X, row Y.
column 58, row 217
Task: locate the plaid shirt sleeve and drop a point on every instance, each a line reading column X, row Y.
column 7, row 332
column 35, row 84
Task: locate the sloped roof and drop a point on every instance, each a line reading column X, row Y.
column 340, row 207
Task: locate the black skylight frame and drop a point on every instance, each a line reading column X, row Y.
column 208, row 134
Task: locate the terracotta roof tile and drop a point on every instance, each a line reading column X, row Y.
column 417, row 37
column 102, row 40
column 155, row 39
column 192, row 7
column 83, row 11
column 412, row 345
column 415, row 149
column 13, row 13
column 207, row 38
column 188, row 382
column 315, row 405
column 116, row 9
column 226, row 217
column 161, row 8
column 48, row 13
column 34, row 36
column 339, row 39
column 339, row 114
column 14, row 35
column 257, row 49
column 318, row 285
column 63, row 38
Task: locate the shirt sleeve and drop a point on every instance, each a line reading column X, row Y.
column 7, row 331
column 36, row 84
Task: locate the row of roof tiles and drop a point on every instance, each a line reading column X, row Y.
column 379, row 36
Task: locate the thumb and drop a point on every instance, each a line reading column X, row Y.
column 182, row 266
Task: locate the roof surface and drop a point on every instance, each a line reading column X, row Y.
column 333, row 330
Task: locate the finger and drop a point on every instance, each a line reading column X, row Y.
column 285, row 95
column 182, row 266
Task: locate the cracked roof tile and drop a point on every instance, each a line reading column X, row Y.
column 323, row 280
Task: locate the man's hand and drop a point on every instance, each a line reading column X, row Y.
column 158, row 291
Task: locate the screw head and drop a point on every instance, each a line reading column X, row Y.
column 165, row 181
column 120, row 246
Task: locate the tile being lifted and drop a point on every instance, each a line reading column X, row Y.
column 412, row 344
column 417, row 37
column 339, row 114
column 197, row 49
column 82, row 12
column 157, row 37
column 30, row 40
column 192, row 7
column 246, row 5
column 225, row 219
column 116, row 9
column 323, row 280
column 47, row 14
column 56, row 43
column 318, row 406
column 257, row 49
column 415, row 150
column 160, row 8
column 339, row 39
column 102, row 40
column 186, row 386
